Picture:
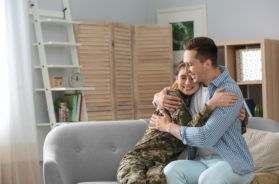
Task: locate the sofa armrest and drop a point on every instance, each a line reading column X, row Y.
column 91, row 151
column 51, row 173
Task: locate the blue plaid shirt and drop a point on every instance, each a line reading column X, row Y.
column 223, row 129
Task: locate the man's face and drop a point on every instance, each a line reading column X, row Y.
column 196, row 68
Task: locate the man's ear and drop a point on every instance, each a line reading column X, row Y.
column 208, row 63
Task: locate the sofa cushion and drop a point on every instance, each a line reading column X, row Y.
column 264, row 146
column 266, row 178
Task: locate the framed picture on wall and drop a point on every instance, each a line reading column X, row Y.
column 187, row 22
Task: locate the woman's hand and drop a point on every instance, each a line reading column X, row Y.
column 166, row 101
column 222, row 99
column 161, row 123
column 164, row 124
column 242, row 113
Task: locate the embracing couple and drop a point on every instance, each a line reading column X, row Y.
column 204, row 112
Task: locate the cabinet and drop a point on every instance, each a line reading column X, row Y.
column 128, row 64
column 266, row 91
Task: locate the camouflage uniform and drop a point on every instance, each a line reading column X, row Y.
column 146, row 161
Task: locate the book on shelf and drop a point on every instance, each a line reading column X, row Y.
column 81, row 109
column 73, row 98
column 249, row 107
column 78, row 107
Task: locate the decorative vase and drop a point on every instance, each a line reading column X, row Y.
column 258, row 111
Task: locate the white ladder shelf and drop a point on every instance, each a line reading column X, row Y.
column 56, row 18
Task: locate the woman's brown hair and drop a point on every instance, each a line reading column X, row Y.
column 180, row 65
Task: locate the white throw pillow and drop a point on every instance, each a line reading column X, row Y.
column 264, row 147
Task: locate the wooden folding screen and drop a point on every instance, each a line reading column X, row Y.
column 95, row 56
column 152, row 63
column 127, row 64
column 123, row 71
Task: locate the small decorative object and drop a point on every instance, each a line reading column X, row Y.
column 258, row 111
column 249, row 65
column 60, row 100
column 76, row 80
column 64, row 112
column 56, row 82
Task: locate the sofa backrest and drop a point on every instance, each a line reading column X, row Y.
column 81, row 152
column 90, row 151
column 263, row 124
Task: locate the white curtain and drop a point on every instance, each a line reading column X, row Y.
column 18, row 149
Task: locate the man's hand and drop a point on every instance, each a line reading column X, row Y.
column 166, row 101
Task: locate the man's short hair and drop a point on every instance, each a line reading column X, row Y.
column 205, row 47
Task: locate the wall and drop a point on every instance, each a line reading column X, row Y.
column 230, row 19
column 125, row 11
column 226, row 19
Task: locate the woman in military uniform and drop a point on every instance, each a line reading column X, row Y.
column 145, row 162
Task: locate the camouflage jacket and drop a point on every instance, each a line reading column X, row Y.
column 163, row 147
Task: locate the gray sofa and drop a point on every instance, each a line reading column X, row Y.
column 87, row 153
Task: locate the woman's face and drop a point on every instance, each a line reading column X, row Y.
column 185, row 83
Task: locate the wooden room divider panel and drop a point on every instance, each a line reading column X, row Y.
column 152, row 63
column 95, row 56
column 123, row 71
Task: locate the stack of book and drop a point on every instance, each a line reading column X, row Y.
column 76, row 105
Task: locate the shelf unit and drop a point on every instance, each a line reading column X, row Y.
column 60, row 44
column 264, row 92
column 58, row 66
column 63, row 20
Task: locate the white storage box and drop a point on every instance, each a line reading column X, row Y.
column 248, row 65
